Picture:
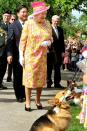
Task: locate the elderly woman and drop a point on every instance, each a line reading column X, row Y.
column 35, row 39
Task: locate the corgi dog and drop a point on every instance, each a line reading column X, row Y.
column 78, row 98
column 64, row 95
column 71, row 94
column 77, row 94
column 56, row 119
column 71, row 85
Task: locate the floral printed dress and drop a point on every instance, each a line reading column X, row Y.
column 35, row 55
column 83, row 114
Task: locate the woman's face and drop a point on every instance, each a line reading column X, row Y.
column 12, row 19
column 40, row 18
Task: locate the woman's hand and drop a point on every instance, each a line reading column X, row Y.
column 21, row 58
column 46, row 43
column 9, row 59
column 62, row 55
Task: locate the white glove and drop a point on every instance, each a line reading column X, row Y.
column 46, row 43
column 21, row 58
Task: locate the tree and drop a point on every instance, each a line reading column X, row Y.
column 59, row 7
column 12, row 5
column 63, row 7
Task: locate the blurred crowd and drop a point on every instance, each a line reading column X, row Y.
column 72, row 53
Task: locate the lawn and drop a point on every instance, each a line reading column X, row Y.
column 75, row 124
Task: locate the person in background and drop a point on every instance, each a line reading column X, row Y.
column 9, row 73
column 66, row 60
column 55, row 54
column 73, row 59
column 14, row 34
column 35, row 39
column 3, row 54
column 13, row 18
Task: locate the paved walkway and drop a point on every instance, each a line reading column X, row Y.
column 13, row 117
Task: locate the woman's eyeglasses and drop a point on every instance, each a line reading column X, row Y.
column 13, row 19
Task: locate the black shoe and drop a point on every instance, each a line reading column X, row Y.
column 9, row 79
column 59, row 86
column 27, row 108
column 48, row 86
column 2, row 87
column 20, row 100
column 39, row 106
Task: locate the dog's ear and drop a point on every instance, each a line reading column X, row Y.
column 54, row 102
column 65, row 106
column 74, row 84
column 60, row 94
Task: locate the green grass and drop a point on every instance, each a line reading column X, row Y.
column 75, row 123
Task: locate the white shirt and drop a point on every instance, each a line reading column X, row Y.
column 56, row 31
column 22, row 23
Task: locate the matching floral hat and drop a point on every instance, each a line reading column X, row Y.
column 39, row 7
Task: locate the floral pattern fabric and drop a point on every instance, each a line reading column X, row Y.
column 35, row 55
column 83, row 114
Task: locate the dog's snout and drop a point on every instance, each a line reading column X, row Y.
column 69, row 98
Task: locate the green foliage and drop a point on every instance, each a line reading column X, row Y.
column 75, row 124
column 12, row 5
column 63, row 7
column 70, row 26
column 59, row 7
